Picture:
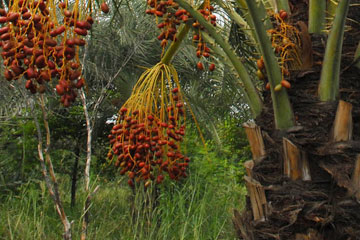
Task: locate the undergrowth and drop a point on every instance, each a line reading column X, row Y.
column 199, row 207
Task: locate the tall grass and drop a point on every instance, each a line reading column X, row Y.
column 200, row 207
column 29, row 215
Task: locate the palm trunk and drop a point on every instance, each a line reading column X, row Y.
column 306, row 185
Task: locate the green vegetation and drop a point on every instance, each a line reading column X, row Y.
column 199, row 207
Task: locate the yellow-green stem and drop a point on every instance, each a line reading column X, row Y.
column 331, row 6
column 174, row 46
column 330, row 72
column 317, row 10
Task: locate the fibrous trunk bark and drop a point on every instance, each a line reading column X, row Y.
column 356, row 179
column 310, row 173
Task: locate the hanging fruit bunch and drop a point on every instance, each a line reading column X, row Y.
column 41, row 40
column 145, row 141
column 286, row 41
column 287, row 44
column 170, row 15
column 202, row 49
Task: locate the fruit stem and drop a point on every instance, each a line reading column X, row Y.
column 254, row 100
column 284, row 117
column 330, row 72
column 174, row 46
column 316, row 16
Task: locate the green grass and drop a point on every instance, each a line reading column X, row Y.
column 199, row 207
column 29, row 215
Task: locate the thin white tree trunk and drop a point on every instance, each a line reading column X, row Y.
column 49, row 175
column 90, row 122
column 87, row 167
